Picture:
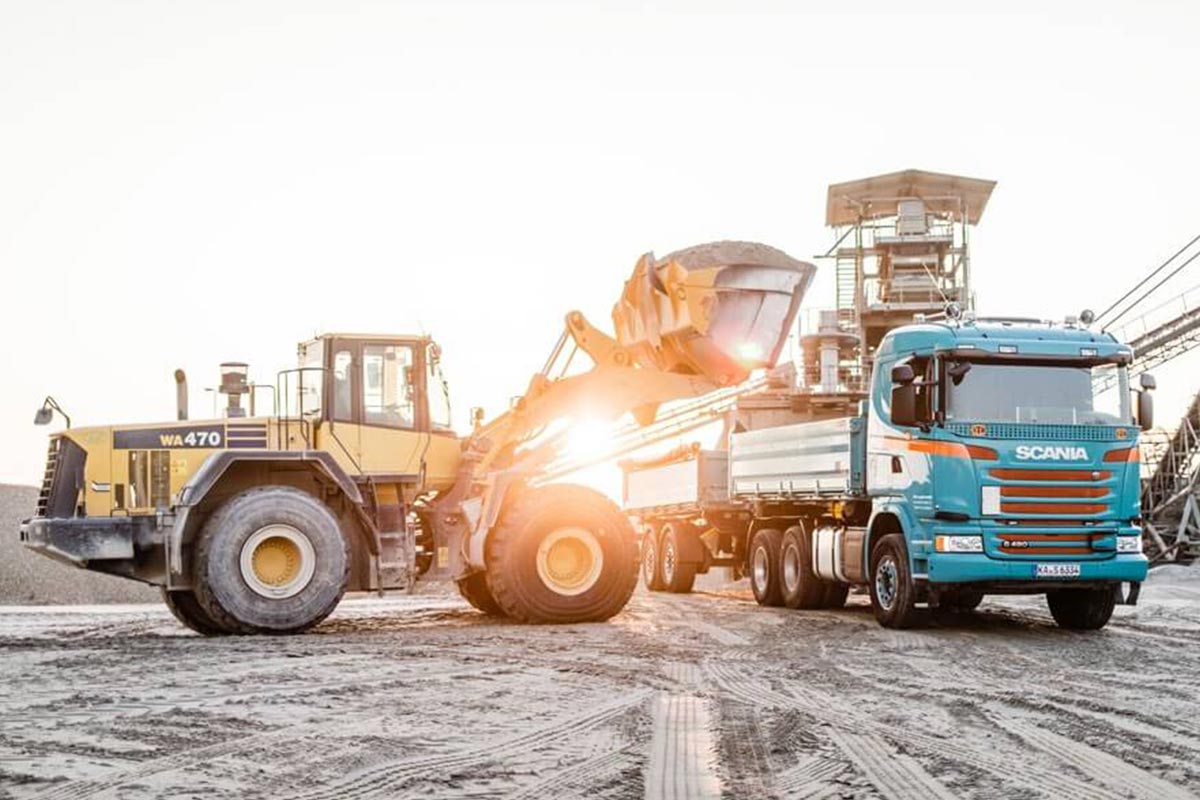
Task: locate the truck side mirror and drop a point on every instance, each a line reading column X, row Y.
column 904, row 403
column 903, row 375
column 1145, row 406
column 1147, row 381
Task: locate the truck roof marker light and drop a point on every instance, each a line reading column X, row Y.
column 1123, row 455
column 1008, row 348
column 1089, row 352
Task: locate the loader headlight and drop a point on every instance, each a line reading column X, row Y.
column 958, row 544
column 1129, row 544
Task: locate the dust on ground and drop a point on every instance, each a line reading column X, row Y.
column 678, row 696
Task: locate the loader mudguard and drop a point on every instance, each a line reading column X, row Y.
column 320, row 464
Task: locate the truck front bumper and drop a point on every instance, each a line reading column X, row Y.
column 981, row 568
column 78, row 541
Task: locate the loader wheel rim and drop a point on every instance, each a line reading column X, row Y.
column 791, row 568
column 278, row 561
column 569, row 561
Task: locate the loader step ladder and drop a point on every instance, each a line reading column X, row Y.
column 1171, row 493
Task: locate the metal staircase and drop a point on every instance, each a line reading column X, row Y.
column 1171, row 493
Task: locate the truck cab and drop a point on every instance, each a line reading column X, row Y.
column 1002, row 457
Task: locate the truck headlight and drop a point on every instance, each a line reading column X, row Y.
column 958, row 544
column 1129, row 544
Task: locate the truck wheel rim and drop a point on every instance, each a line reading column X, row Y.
column 791, row 568
column 277, row 561
column 668, row 561
column 761, row 571
column 569, row 561
column 648, row 557
column 886, row 579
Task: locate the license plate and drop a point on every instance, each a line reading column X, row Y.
column 1057, row 571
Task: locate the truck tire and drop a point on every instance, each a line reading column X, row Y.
column 961, row 602
column 893, row 594
column 474, row 590
column 764, row 567
column 1082, row 609
column 800, row 585
column 187, row 610
column 561, row 553
column 651, row 563
column 270, row 560
column 835, row 595
column 677, row 575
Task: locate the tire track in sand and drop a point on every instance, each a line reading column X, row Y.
column 895, row 775
column 682, row 755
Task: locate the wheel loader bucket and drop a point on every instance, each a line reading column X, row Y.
column 717, row 310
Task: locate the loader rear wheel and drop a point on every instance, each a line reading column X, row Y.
column 651, row 560
column 800, row 585
column 475, row 591
column 764, row 567
column 270, row 560
column 561, row 553
column 187, row 610
column 677, row 575
column 1082, row 609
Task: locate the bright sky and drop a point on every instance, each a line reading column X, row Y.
column 183, row 183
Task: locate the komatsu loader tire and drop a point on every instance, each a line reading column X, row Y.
column 764, row 567
column 678, row 576
column 270, row 560
column 475, row 591
column 561, row 553
column 652, row 560
column 187, row 610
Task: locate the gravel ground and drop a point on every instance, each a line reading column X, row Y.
column 26, row 577
column 703, row 695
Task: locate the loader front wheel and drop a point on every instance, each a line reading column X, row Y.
column 270, row 560
column 187, row 610
column 561, row 553
column 475, row 591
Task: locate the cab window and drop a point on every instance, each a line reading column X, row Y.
column 439, row 394
column 343, row 406
column 387, row 386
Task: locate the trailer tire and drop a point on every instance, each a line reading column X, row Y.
column 1082, row 609
column 561, row 553
column 893, row 594
column 764, row 567
column 800, row 585
column 474, row 590
column 292, row 584
column 835, row 595
column 184, row 607
column 677, row 576
column 651, row 563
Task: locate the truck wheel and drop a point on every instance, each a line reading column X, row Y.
column 835, row 595
column 1082, row 609
column 474, row 590
column 677, row 575
column 893, row 595
column 800, row 585
column 962, row 602
column 271, row 560
column 764, row 567
column 651, row 563
column 561, row 553
column 183, row 607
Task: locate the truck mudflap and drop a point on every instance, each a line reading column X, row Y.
column 78, row 541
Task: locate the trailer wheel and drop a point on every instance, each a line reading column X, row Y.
column 800, row 585
column 893, row 595
column 651, row 563
column 561, row 553
column 187, row 610
column 1082, row 609
column 677, row 575
column 474, row 590
column 764, row 567
column 270, row 560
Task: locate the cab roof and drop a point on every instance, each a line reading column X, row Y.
column 987, row 335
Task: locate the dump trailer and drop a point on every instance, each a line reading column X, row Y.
column 256, row 523
column 986, row 458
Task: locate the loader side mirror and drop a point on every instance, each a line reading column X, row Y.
column 476, row 416
column 1145, row 407
column 904, row 404
column 43, row 416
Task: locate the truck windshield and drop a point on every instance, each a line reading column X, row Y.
column 1049, row 394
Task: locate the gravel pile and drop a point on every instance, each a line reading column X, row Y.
column 28, row 578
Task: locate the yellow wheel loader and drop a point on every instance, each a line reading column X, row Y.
column 355, row 481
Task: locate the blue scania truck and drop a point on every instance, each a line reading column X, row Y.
column 988, row 457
